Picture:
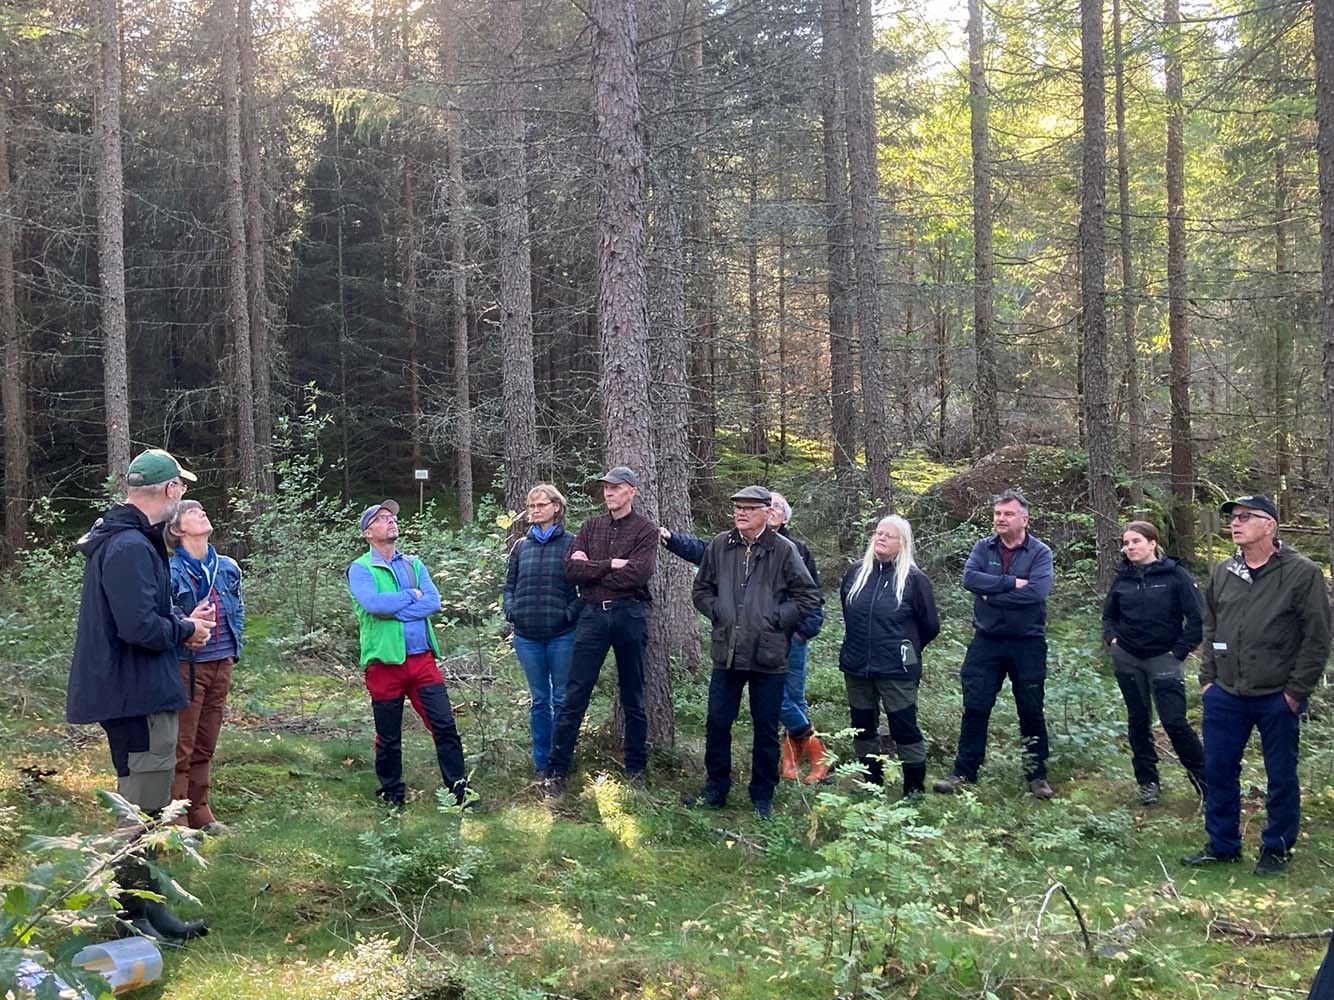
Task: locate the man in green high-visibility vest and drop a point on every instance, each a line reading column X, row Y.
column 395, row 598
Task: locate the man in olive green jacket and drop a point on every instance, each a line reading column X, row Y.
column 1266, row 640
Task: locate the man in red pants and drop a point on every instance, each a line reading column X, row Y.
column 395, row 598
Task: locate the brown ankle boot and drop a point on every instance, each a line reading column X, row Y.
column 814, row 752
column 791, row 754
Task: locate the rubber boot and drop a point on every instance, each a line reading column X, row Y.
column 791, row 753
column 814, row 752
column 875, row 770
column 143, row 914
column 914, row 780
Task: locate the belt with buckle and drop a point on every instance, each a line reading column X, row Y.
column 608, row 605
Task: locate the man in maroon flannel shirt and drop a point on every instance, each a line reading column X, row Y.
column 611, row 561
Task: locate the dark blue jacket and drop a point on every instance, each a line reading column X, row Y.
column 227, row 584
column 1000, row 609
column 876, row 624
column 128, row 633
column 538, row 599
column 691, row 549
column 1153, row 609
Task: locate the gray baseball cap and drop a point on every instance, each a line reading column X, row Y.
column 375, row 508
column 757, row 493
column 619, row 474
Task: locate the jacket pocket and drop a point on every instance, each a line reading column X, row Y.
column 771, row 650
column 719, row 643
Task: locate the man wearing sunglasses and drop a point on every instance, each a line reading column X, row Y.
column 1266, row 640
column 395, row 598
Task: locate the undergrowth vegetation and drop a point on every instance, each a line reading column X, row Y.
column 847, row 892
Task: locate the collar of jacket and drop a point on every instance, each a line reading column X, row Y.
column 1236, row 565
column 768, row 538
column 996, row 541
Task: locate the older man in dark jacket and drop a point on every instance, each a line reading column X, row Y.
column 753, row 587
column 125, row 675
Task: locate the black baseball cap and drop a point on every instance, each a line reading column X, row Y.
column 1256, row 501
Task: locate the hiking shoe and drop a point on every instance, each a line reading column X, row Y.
column 763, row 809
column 217, row 828
column 554, row 787
column 702, row 801
column 950, row 784
column 1271, row 862
column 1040, row 789
column 1205, row 856
column 1148, row 793
column 638, row 780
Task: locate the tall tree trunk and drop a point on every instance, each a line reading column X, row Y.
column 516, row 278
column 409, row 245
column 856, row 30
column 1183, row 457
column 757, row 357
column 1324, row 102
column 905, row 376
column 782, row 338
column 1134, row 396
column 111, row 240
column 842, row 399
column 260, row 353
column 623, row 293
column 986, row 414
column 344, row 410
column 238, row 304
column 13, row 388
column 458, row 262
column 703, row 285
column 942, row 341
column 1282, row 335
column 1093, row 295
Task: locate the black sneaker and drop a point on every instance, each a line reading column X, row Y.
column 702, row 801
column 1205, row 856
column 950, row 784
column 1148, row 793
column 763, row 809
column 1271, row 862
column 554, row 787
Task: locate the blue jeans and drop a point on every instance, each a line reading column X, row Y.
column 793, row 712
column 1228, row 721
column 546, row 665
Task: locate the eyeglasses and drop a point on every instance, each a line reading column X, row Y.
column 385, row 517
column 180, row 484
column 539, row 504
column 747, row 510
column 1242, row 516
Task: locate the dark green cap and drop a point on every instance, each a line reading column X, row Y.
column 156, row 466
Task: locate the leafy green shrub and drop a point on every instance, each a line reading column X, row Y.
column 398, row 868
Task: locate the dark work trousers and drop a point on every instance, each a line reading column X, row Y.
column 1157, row 680
column 898, row 695
column 418, row 679
column 623, row 628
column 1322, row 987
column 1228, row 721
column 986, row 665
column 766, row 702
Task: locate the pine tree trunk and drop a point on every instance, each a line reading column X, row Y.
column 1282, row 336
column 13, row 389
column 260, row 351
column 111, row 240
column 702, row 284
column 1093, row 296
column 986, row 413
column 856, row 27
column 516, row 279
column 458, row 262
column 757, row 357
column 1183, row 456
column 842, row 398
column 1324, row 102
column 344, row 409
column 409, row 249
column 1135, row 441
column 623, row 294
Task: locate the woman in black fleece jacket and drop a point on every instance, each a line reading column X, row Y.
column 1151, row 621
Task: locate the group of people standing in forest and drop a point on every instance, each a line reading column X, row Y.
column 161, row 623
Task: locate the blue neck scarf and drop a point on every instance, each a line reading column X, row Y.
column 201, row 571
column 540, row 536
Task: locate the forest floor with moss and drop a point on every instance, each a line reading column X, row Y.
column 319, row 891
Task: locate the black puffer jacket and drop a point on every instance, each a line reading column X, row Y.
column 1153, row 609
column 125, row 647
column 876, row 624
column 755, row 594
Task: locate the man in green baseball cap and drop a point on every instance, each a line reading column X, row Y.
column 154, row 467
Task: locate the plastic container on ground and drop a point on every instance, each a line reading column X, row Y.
column 126, row 964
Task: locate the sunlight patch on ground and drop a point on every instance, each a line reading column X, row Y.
column 610, row 796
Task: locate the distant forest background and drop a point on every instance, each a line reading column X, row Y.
column 519, row 239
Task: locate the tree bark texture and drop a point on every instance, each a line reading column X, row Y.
column 623, row 291
column 701, row 277
column 838, row 283
column 1093, row 297
column 1324, row 104
column 756, row 356
column 1283, row 335
column 13, row 389
column 862, row 139
column 458, row 262
column 986, row 415
column 255, row 232
column 516, row 279
column 1135, row 441
column 111, row 240
column 409, row 250
column 1183, row 457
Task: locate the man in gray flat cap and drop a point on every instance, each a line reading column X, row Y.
column 611, row 561
column 754, row 588
column 1266, row 640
